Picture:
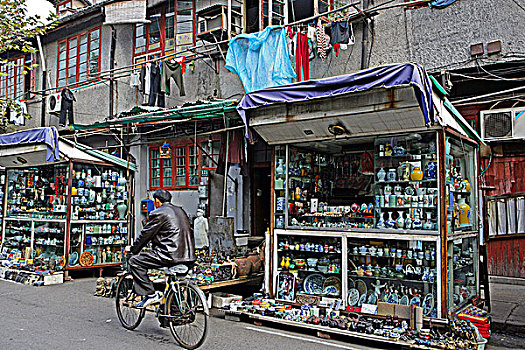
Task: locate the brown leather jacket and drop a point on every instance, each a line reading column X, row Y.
column 169, row 230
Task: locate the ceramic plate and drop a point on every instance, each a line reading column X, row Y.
column 351, row 284
column 409, row 190
column 313, row 284
column 73, row 259
column 360, row 285
column 333, row 282
column 404, row 300
column 415, row 301
column 372, row 299
column 393, row 299
column 428, row 304
column 362, row 300
column 353, row 297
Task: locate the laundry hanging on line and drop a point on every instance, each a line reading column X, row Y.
column 171, row 70
column 66, row 107
column 260, row 59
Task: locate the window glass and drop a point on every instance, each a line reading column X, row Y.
column 184, row 25
column 140, row 38
column 154, row 30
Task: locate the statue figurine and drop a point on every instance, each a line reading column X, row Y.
column 201, row 228
column 108, row 254
column 377, row 288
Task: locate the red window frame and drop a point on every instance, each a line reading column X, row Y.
column 13, row 86
column 64, row 5
column 162, row 48
column 184, row 162
column 75, row 54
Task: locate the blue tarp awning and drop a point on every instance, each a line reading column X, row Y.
column 394, row 75
column 48, row 136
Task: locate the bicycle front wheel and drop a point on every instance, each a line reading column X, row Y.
column 188, row 315
column 125, row 300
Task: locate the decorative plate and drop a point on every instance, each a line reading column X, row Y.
column 415, row 301
column 393, row 298
column 313, row 284
column 73, row 259
column 351, row 284
column 372, row 299
column 333, row 282
column 428, row 304
column 86, row 259
column 409, row 190
column 360, row 285
column 353, row 297
column 404, row 300
column 362, row 299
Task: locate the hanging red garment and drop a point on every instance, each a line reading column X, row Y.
column 301, row 57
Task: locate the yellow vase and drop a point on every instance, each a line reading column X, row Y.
column 466, row 185
column 287, row 263
column 464, row 212
column 417, row 174
column 282, row 263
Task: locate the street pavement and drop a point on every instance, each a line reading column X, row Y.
column 68, row 316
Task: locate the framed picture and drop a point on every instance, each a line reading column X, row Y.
column 285, row 287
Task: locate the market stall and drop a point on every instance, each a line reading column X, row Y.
column 66, row 205
column 374, row 193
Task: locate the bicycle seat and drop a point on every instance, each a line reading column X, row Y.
column 176, row 270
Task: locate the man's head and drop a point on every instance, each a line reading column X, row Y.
column 161, row 196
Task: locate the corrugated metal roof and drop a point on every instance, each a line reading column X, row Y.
column 203, row 111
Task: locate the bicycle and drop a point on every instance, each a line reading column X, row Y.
column 183, row 307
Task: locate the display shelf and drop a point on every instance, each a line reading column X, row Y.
column 305, row 251
column 99, row 222
column 310, row 271
column 403, row 280
column 406, row 181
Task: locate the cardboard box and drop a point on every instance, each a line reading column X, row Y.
column 56, row 278
column 385, row 309
column 220, row 299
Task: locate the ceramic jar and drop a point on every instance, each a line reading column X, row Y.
column 381, row 174
column 431, row 170
column 464, row 212
column 392, row 175
column 416, row 175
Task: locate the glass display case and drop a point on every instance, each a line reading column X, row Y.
column 400, row 271
column 315, row 261
column 17, row 238
column 462, row 267
column 37, row 192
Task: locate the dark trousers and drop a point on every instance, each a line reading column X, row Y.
column 155, row 93
column 139, row 265
column 66, row 110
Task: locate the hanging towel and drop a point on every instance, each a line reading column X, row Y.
column 171, row 70
column 340, row 33
column 261, row 60
column 323, row 40
column 145, row 82
column 134, row 79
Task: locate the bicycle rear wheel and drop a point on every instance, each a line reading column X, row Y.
column 188, row 315
column 125, row 300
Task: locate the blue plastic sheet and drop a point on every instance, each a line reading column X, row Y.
column 441, row 4
column 49, row 136
column 385, row 77
column 261, row 60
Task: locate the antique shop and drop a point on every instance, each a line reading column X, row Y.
column 374, row 193
column 65, row 205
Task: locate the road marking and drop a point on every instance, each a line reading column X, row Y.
column 300, row 338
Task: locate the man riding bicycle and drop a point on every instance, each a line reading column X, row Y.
column 169, row 231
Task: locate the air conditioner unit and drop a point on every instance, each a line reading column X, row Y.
column 53, row 103
column 503, row 124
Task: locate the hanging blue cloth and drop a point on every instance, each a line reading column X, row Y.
column 261, row 60
column 441, row 4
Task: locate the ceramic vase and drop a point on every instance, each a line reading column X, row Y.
column 428, row 223
column 408, row 222
column 417, row 174
column 392, row 175
column 381, row 222
column 122, row 180
column 400, row 221
column 121, row 209
column 430, row 170
column 390, row 223
column 280, row 167
column 381, row 174
column 417, row 222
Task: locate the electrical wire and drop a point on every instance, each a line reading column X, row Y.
column 497, row 76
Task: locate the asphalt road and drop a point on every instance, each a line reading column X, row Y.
column 68, row 316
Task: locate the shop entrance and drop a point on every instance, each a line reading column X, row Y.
column 261, row 200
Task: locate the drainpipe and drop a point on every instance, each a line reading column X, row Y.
column 111, row 68
column 44, row 82
column 364, row 43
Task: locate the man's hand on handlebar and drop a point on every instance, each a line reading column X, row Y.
column 127, row 249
